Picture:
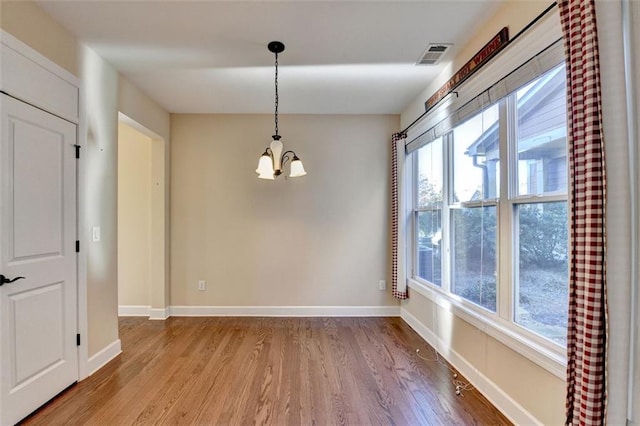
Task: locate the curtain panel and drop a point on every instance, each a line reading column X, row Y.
column 587, row 321
column 398, row 219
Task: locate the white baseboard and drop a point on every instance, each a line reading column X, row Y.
column 503, row 402
column 286, row 311
column 159, row 313
column 257, row 311
column 133, row 310
column 101, row 359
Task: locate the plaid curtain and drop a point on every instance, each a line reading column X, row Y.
column 587, row 322
column 398, row 221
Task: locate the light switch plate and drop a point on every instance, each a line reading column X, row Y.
column 95, row 234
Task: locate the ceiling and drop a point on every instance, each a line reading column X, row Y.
column 341, row 57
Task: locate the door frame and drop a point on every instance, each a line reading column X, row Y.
column 71, row 109
column 158, row 298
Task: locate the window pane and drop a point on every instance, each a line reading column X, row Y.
column 542, row 284
column 429, row 246
column 475, row 157
column 474, row 255
column 430, row 174
column 542, row 131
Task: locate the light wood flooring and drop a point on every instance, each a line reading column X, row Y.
column 269, row 371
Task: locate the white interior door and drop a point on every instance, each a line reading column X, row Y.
column 38, row 314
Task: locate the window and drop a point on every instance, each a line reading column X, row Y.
column 472, row 206
column 429, row 213
column 540, row 207
column 490, row 210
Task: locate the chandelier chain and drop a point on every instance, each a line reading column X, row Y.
column 276, row 102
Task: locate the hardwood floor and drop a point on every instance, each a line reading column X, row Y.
column 269, row 371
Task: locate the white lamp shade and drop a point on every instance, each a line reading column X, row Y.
column 297, row 169
column 265, row 166
column 276, row 150
column 266, row 176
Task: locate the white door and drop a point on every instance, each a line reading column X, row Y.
column 38, row 352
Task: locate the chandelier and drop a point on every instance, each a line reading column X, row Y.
column 273, row 160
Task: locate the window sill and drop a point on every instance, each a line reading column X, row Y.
column 506, row 334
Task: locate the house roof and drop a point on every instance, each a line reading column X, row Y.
column 536, row 119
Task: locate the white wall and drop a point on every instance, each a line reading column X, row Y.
column 621, row 197
column 635, row 31
column 317, row 240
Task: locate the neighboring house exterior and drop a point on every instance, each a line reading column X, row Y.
column 541, row 139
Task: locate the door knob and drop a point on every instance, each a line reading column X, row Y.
column 4, row 280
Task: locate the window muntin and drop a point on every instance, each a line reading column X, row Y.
column 489, row 244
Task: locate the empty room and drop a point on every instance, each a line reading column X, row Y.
column 319, row 212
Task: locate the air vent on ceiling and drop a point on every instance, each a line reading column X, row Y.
column 433, row 54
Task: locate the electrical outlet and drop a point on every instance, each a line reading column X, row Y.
column 202, row 285
column 382, row 285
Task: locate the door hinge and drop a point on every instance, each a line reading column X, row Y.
column 78, row 339
column 77, row 151
column 77, row 246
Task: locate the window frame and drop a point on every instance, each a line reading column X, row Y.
column 501, row 324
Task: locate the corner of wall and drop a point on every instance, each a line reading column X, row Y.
column 514, row 15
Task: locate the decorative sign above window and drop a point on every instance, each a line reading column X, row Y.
column 489, row 50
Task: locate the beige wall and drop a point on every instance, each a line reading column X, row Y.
column 154, row 121
column 134, row 217
column 27, row 22
column 30, row 24
column 138, row 106
column 160, row 224
column 318, row 240
column 102, row 89
column 514, row 14
column 539, row 392
column 100, row 86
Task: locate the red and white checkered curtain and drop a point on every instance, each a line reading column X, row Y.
column 587, row 323
column 398, row 221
